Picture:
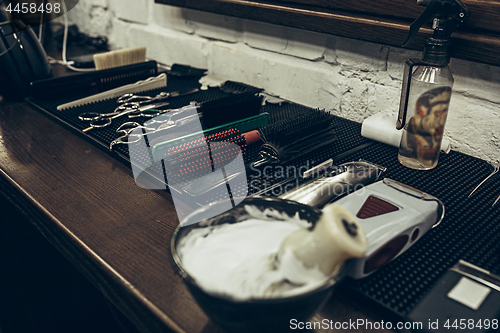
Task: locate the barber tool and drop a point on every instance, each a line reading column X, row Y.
column 131, row 135
column 289, row 139
column 130, row 105
column 496, row 167
column 99, row 120
column 245, row 125
column 336, row 237
column 129, row 126
column 159, row 81
column 212, row 114
column 227, row 86
column 180, row 70
column 99, row 81
column 133, row 110
column 197, row 158
column 334, row 182
column 269, row 311
column 394, row 216
column 427, row 86
column 211, row 182
column 132, row 98
column 233, row 87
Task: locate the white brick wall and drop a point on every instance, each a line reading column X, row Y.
column 354, row 79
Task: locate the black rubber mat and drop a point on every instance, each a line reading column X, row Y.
column 346, row 132
column 470, row 230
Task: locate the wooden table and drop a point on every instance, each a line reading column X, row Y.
column 117, row 234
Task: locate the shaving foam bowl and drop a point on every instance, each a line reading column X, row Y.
column 254, row 314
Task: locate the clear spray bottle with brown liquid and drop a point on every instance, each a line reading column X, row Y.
column 427, row 86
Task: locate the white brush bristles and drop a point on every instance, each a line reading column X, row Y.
column 121, row 57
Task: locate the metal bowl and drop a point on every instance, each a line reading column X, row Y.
column 254, row 315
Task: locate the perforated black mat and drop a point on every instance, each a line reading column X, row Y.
column 470, row 230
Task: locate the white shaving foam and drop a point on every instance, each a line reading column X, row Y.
column 238, row 260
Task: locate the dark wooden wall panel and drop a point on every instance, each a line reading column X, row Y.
column 384, row 21
column 486, row 13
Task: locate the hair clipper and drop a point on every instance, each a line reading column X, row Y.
column 393, row 216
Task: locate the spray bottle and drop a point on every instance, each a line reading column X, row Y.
column 427, row 86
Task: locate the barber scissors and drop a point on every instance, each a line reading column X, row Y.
column 119, row 111
column 99, row 120
column 132, row 98
column 165, row 122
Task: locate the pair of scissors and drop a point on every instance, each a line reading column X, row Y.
column 164, row 122
column 132, row 98
column 99, row 120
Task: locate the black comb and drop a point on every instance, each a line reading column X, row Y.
column 96, row 81
column 185, row 71
column 229, row 109
column 233, row 87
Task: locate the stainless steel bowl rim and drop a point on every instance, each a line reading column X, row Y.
column 179, row 267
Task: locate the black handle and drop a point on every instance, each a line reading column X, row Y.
column 405, row 90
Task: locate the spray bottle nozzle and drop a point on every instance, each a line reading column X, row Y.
column 447, row 15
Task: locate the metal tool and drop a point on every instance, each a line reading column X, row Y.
column 99, row 120
column 129, row 126
column 336, row 182
column 495, row 202
column 132, row 98
column 332, row 182
column 133, row 136
column 90, row 116
column 158, row 116
column 496, row 167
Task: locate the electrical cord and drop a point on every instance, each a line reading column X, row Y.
column 40, row 29
column 64, row 61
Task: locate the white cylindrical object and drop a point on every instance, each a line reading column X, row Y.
column 336, row 237
column 382, row 127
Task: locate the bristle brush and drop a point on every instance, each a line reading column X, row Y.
column 289, row 139
column 191, row 160
column 237, row 111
